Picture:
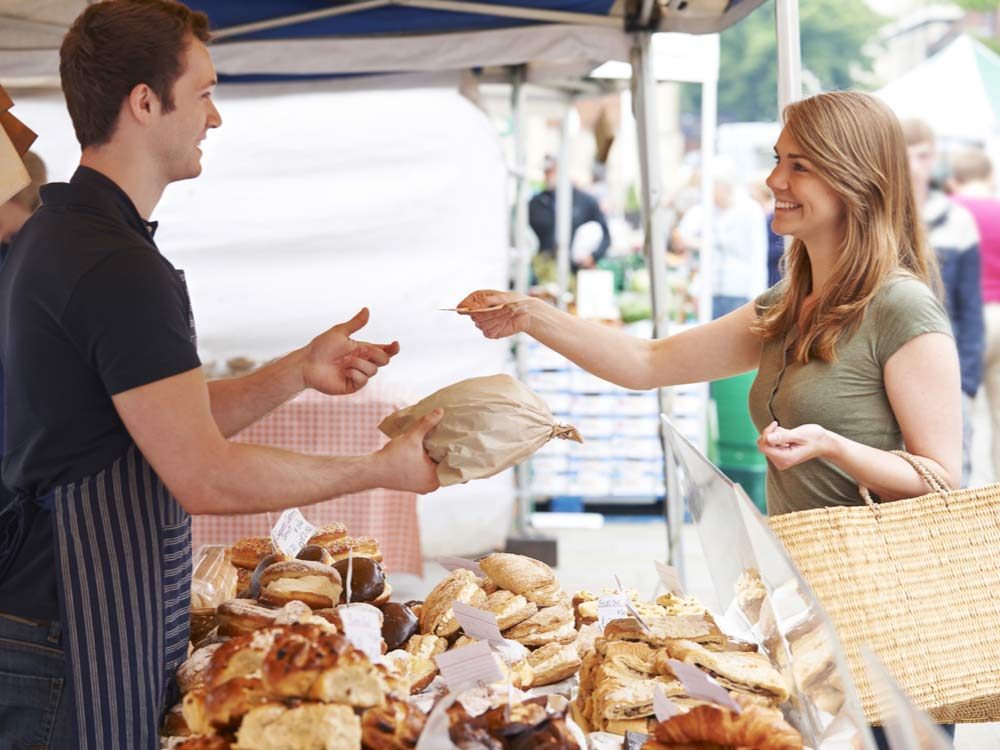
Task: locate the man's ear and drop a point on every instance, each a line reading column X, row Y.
column 142, row 104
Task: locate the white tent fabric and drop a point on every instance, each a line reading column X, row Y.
column 320, row 203
column 951, row 91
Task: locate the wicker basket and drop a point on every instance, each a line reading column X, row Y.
column 917, row 580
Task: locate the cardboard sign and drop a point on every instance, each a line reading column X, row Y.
column 292, row 531
column 469, row 666
column 669, row 577
column 633, row 612
column 699, row 685
column 478, row 623
column 363, row 628
column 456, row 563
column 611, row 607
column 663, row 707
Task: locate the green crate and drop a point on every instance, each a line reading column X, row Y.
column 733, row 414
column 753, row 480
column 739, row 456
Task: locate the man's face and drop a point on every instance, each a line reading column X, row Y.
column 178, row 132
column 922, row 158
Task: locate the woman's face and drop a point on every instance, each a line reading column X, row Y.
column 805, row 206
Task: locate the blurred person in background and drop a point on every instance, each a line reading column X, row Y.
column 952, row 233
column 739, row 242
column 973, row 186
column 775, row 242
column 588, row 248
column 16, row 211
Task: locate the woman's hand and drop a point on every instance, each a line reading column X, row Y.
column 787, row 448
column 512, row 314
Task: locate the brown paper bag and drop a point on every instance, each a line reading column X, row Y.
column 489, row 424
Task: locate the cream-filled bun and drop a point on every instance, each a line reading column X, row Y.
column 314, row 583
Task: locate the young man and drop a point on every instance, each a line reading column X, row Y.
column 952, row 233
column 973, row 186
column 113, row 435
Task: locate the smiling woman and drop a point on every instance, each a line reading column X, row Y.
column 854, row 351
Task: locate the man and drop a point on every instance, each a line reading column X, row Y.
column 973, row 187
column 113, row 434
column 952, row 233
column 592, row 246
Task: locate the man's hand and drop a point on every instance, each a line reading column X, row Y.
column 403, row 464
column 787, row 448
column 513, row 317
column 336, row 364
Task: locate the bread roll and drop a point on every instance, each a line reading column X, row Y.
column 315, row 584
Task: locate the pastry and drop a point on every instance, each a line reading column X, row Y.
column 436, row 616
column 661, row 631
column 310, row 726
column 548, row 625
column 315, row 584
column 510, row 609
column 241, row 656
column 357, row 546
column 193, row 710
column 315, row 553
column 367, row 578
column 756, row 728
column 246, row 553
column 394, row 726
column 243, row 576
column 743, row 671
column 204, row 742
column 427, row 646
column 174, row 723
column 531, row 578
column 553, row 662
column 227, row 703
column 398, row 624
column 252, row 591
column 191, row 674
column 243, row 616
column 680, row 605
column 328, row 534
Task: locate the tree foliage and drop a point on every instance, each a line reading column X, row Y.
column 834, row 35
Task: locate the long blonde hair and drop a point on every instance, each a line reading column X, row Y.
column 856, row 144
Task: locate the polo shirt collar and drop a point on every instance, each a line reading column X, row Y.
column 92, row 190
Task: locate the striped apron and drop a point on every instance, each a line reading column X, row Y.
column 123, row 561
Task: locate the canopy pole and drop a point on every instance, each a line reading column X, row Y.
column 644, row 103
column 706, row 250
column 786, row 19
column 564, row 206
column 522, row 267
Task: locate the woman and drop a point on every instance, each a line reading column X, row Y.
column 854, row 352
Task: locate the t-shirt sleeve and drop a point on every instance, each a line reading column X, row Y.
column 128, row 316
column 906, row 309
column 769, row 297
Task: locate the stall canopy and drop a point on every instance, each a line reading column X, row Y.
column 317, row 38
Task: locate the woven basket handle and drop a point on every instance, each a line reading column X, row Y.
column 931, row 478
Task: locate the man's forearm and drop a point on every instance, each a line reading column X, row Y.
column 256, row 478
column 239, row 402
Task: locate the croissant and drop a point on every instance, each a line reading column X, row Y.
column 755, row 728
column 395, row 726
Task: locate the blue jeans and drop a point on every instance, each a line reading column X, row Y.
column 883, row 743
column 723, row 304
column 35, row 705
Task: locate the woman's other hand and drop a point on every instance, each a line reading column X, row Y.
column 787, row 448
column 512, row 313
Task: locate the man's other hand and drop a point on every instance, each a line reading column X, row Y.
column 336, row 364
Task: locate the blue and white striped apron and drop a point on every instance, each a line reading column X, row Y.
column 123, row 559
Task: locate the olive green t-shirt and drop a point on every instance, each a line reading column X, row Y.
column 847, row 396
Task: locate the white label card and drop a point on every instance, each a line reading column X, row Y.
column 611, row 607
column 699, row 685
column 670, row 578
column 663, row 707
column 477, row 623
column 469, row 666
column 456, row 563
column 292, row 531
column 363, row 628
column 628, row 605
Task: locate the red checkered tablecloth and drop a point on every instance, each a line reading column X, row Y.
column 333, row 425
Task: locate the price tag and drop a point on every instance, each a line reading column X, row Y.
column 669, row 577
column 699, row 685
column 628, row 605
column 611, row 607
column 292, row 531
column 469, row 666
column 456, row 563
column 478, row 623
column 363, row 628
column 663, row 707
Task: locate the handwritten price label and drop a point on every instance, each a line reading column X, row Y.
column 292, row 531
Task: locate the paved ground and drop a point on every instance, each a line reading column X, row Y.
column 590, row 557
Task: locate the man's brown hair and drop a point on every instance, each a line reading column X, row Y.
column 114, row 46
